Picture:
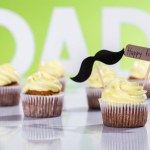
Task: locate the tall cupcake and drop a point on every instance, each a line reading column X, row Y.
column 95, row 86
column 9, row 86
column 54, row 68
column 138, row 73
column 42, row 96
column 123, row 104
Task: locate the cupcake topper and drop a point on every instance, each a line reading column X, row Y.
column 109, row 58
column 139, row 52
column 99, row 73
column 103, row 56
column 146, row 77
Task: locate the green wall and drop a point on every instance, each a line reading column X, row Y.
column 38, row 13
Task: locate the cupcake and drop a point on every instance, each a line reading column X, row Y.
column 138, row 73
column 123, row 104
column 95, row 86
column 54, row 68
column 9, row 86
column 42, row 96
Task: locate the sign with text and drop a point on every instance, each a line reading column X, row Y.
column 137, row 52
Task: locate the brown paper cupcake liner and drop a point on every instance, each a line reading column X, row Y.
column 10, row 95
column 63, row 82
column 124, row 139
column 147, row 85
column 93, row 94
column 43, row 129
column 124, row 115
column 42, row 106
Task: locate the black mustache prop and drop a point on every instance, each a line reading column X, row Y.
column 104, row 56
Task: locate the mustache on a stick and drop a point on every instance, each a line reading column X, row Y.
column 104, row 56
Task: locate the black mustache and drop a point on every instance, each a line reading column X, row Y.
column 104, row 56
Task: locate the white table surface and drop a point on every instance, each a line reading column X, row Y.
column 76, row 129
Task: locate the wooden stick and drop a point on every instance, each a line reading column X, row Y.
column 146, row 77
column 98, row 70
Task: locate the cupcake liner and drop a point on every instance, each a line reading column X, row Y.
column 124, row 115
column 93, row 94
column 123, row 139
column 42, row 106
column 43, row 129
column 63, row 82
column 147, row 85
column 9, row 95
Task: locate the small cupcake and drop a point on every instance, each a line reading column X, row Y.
column 138, row 73
column 95, row 86
column 42, row 96
column 9, row 86
column 123, row 104
column 54, row 68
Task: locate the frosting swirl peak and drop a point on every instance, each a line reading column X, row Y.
column 53, row 68
column 139, row 69
column 107, row 75
column 42, row 81
column 122, row 91
column 8, row 74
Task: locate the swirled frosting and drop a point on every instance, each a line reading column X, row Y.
column 122, row 91
column 8, row 74
column 53, row 68
column 139, row 69
column 42, row 81
column 107, row 75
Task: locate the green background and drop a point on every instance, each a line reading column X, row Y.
column 37, row 13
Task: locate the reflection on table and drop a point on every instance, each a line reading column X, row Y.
column 124, row 139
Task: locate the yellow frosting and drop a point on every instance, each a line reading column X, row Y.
column 53, row 68
column 42, row 81
column 122, row 91
column 139, row 69
column 107, row 75
column 8, row 74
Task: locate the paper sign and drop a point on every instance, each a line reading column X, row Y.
column 137, row 52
